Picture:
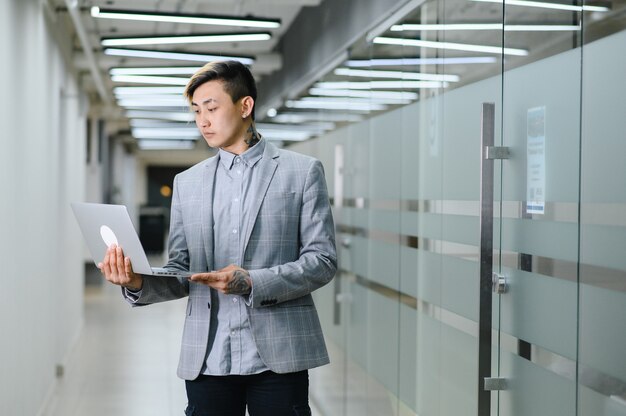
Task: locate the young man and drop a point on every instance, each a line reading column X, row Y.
column 255, row 226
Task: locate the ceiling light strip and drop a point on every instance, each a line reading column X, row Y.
column 140, row 53
column 153, row 102
column 163, row 70
column 173, row 132
column 138, row 91
column 398, row 95
column 166, row 144
column 348, row 106
column 461, row 60
column 301, row 117
column 145, row 79
column 160, row 115
column 546, row 5
column 168, row 40
column 367, row 85
column 483, row 26
column 450, row 45
column 151, row 123
column 173, row 98
column 198, row 19
column 396, row 74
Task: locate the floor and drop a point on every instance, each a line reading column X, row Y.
column 125, row 360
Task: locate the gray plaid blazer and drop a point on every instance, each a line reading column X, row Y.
column 289, row 249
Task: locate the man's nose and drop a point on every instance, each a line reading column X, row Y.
column 204, row 120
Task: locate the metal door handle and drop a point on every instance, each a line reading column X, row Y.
column 489, row 282
column 487, row 133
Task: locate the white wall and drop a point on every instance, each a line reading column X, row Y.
column 42, row 168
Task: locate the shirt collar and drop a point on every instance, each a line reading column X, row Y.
column 250, row 157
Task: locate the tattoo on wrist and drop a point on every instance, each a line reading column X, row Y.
column 252, row 136
column 240, row 283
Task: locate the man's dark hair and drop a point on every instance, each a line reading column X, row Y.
column 236, row 77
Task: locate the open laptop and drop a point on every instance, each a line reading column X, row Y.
column 104, row 224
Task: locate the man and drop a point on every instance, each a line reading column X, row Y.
column 254, row 224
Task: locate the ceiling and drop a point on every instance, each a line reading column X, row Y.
column 285, row 120
column 101, row 85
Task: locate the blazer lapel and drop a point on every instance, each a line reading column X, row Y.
column 267, row 167
column 208, row 180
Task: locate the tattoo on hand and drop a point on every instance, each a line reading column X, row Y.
column 240, row 283
column 252, row 136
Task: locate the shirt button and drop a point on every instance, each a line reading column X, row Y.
column 236, row 200
column 234, row 231
column 237, row 160
column 234, row 300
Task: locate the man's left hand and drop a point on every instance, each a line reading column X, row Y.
column 231, row 280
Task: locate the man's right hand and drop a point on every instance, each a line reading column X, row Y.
column 117, row 269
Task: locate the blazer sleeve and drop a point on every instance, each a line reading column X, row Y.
column 160, row 289
column 317, row 262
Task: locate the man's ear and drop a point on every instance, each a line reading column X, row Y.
column 247, row 104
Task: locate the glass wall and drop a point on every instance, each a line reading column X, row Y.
column 407, row 172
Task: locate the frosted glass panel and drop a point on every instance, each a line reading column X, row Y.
column 535, row 390
column 602, row 340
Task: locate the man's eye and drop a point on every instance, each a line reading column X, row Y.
column 212, row 109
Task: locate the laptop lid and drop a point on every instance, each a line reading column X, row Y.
column 103, row 225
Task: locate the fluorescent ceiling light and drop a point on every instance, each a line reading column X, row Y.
column 546, row 5
column 390, row 95
column 346, row 100
column 291, row 135
column 197, row 19
column 190, row 133
column 160, row 115
column 133, row 91
column 146, row 79
column 174, row 99
column 348, row 105
column 484, row 26
column 138, row 103
column 302, row 117
column 317, row 128
column 368, row 85
column 395, row 74
column 450, row 45
column 166, row 144
column 358, row 100
column 163, row 70
column 148, row 123
column 461, row 60
column 168, row 40
column 180, row 56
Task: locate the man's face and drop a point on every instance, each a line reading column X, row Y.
column 217, row 117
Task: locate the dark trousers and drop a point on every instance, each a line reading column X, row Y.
column 265, row 394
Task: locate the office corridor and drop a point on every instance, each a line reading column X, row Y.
column 125, row 360
column 473, row 153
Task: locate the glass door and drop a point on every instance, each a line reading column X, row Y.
column 539, row 240
column 602, row 293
